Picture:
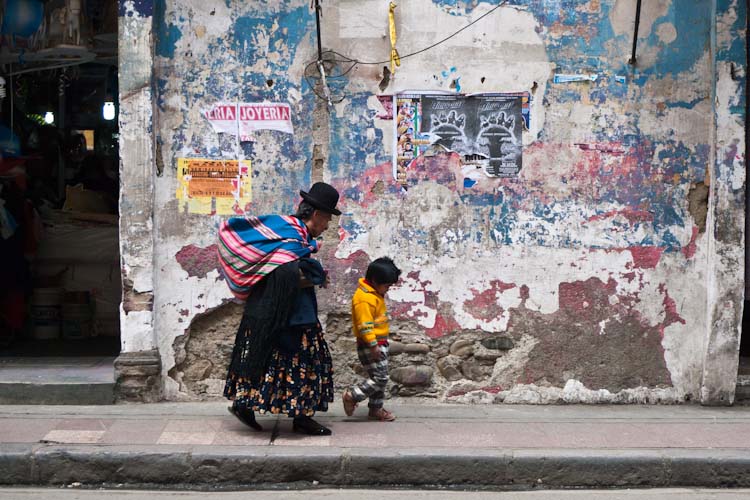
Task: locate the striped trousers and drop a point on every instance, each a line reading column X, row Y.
column 374, row 386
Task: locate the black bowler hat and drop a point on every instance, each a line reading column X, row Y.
column 323, row 197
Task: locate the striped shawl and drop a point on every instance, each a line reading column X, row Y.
column 253, row 247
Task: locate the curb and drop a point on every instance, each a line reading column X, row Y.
column 198, row 466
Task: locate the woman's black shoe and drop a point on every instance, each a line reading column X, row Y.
column 245, row 416
column 306, row 425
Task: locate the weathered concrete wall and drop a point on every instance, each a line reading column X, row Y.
column 138, row 367
column 591, row 277
column 726, row 223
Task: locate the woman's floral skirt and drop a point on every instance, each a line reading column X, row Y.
column 297, row 382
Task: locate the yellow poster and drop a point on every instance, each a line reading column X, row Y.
column 221, row 187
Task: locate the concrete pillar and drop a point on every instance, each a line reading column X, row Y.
column 137, row 368
column 726, row 211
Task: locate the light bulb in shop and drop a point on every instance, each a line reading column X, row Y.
column 108, row 110
column 49, row 117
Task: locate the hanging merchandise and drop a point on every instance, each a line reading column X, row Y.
column 8, row 224
column 395, row 59
column 108, row 110
column 22, row 17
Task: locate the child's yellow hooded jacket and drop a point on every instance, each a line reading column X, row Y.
column 369, row 316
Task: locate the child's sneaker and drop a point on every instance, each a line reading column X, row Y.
column 381, row 414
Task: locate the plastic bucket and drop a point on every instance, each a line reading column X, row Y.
column 46, row 313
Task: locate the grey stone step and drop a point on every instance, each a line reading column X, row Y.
column 52, row 380
column 245, row 467
column 56, row 394
column 742, row 391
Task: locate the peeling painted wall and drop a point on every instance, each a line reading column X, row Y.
column 595, row 266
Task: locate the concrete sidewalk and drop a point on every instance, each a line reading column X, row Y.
column 201, row 445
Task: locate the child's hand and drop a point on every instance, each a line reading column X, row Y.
column 375, row 353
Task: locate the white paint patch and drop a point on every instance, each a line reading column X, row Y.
column 728, row 95
column 364, row 19
column 603, row 326
column 666, row 32
column 137, row 328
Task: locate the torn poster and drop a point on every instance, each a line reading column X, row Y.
column 214, row 186
column 410, row 144
column 561, row 78
column 485, row 130
column 242, row 119
column 387, row 102
column 525, row 105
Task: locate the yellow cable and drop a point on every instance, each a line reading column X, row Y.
column 395, row 59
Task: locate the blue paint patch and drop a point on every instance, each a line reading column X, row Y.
column 693, row 26
column 166, row 40
column 161, row 92
column 669, row 242
column 350, row 147
column 144, row 8
column 293, row 26
column 457, row 83
column 166, row 35
column 686, row 104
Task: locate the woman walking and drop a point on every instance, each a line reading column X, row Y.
column 280, row 361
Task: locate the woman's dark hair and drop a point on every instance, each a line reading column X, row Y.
column 304, row 211
column 382, row 271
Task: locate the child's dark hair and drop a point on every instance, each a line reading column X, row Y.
column 382, row 271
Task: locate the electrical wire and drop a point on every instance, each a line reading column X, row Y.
column 348, row 59
column 355, row 62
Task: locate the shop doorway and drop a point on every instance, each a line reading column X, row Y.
column 59, row 186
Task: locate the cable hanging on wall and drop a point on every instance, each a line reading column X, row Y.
column 331, row 67
column 632, row 61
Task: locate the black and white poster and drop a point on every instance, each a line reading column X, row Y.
column 483, row 129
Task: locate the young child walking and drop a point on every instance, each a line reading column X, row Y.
column 370, row 325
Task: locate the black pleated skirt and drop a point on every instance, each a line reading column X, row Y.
column 298, row 382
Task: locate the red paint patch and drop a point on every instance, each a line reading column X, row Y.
column 483, row 306
column 645, row 257
column 345, row 273
column 629, row 276
column 443, row 325
column 689, row 250
column 670, row 311
column 196, row 261
column 613, row 149
column 586, row 297
column 456, row 392
column 493, row 389
column 633, row 216
column 445, row 321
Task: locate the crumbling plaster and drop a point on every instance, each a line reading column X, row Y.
column 601, row 205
